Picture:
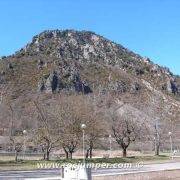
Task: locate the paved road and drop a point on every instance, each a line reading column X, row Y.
column 55, row 173
column 21, row 175
column 145, row 168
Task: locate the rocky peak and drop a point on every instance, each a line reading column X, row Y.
column 61, row 56
column 79, row 45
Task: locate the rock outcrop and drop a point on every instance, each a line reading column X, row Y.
column 53, row 83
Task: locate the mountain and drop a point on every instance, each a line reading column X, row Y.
column 82, row 61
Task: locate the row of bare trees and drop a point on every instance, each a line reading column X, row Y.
column 54, row 121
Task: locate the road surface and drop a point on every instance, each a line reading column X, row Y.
column 21, row 175
column 144, row 168
column 55, row 173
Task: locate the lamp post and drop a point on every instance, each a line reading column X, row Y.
column 24, row 145
column 110, row 145
column 155, row 145
column 83, row 127
column 170, row 139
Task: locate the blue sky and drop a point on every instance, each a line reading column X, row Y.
column 148, row 27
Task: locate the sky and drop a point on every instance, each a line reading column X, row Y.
column 150, row 28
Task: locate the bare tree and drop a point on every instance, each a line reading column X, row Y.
column 67, row 114
column 45, row 134
column 167, row 114
column 126, row 128
column 72, row 111
column 94, row 119
column 69, row 144
column 17, row 143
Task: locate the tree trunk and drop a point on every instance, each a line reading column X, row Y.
column 90, row 148
column 47, row 155
column 124, row 152
column 157, row 150
column 70, row 153
column 90, row 152
column 44, row 156
column 66, row 153
column 87, row 153
column 44, row 153
column 16, row 156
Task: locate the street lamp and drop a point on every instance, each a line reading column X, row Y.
column 24, row 131
column 170, row 138
column 24, row 146
column 155, row 145
column 110, row 145
column 83, row 127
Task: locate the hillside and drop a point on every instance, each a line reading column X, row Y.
column 82, row 61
